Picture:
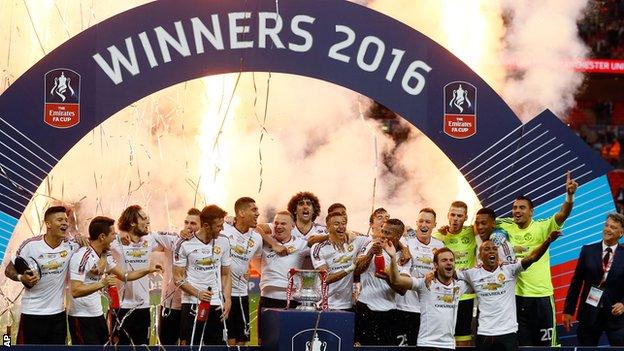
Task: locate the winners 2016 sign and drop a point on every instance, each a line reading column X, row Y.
column 129, row 56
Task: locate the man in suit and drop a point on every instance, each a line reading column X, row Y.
column 598, row 277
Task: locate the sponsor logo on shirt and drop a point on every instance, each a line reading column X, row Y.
column 448, row 298
column 343, row 259
column 491, row 286
column 53, row 267
column 206, row 261
column 425, row 259
column 239, row 249
column 136, row 253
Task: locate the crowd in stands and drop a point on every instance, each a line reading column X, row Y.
column 603, row 28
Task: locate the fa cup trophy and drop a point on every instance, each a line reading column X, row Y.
column 308, row 287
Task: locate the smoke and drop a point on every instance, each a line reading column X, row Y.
column 526, row 58
column 471, row 30
column 543, row 40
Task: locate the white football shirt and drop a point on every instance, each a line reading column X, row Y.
column 132, row 257
column 420, row 264
column 376, row 293
column 47, row 297
column 496, row 293
column 438, row 311
column 324, row 253
column 203, row 262
column 275, row 268
column 244, row 247
column 83, row 267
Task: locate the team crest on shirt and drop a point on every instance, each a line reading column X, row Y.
column 291, row 249
column 465, row 240
column 501, row 277
column 217, row 250
column 63, row 253
column 250, row 243
column 350, row 248
column 528, row 237
column 145, row 244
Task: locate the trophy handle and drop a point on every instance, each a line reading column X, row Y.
column 324, row 346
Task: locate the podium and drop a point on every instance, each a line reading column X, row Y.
column 294, row 330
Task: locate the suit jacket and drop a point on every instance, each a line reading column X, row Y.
column 589, row 272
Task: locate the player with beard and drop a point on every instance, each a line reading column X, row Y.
column 374, row 317
column 92, row 268
column 439, row 298
column 245, row 244
column 305, row 208
column 485, row 228
column 337, row 256
column 422, row 248
column 202, row 270
column 461, row 240
column 43, row 319
column 131, row 323
column 534, row 289
column 494, row 284
column 275, row 267
column 171, row 295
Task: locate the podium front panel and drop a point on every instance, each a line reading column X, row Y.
column 293, row 330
